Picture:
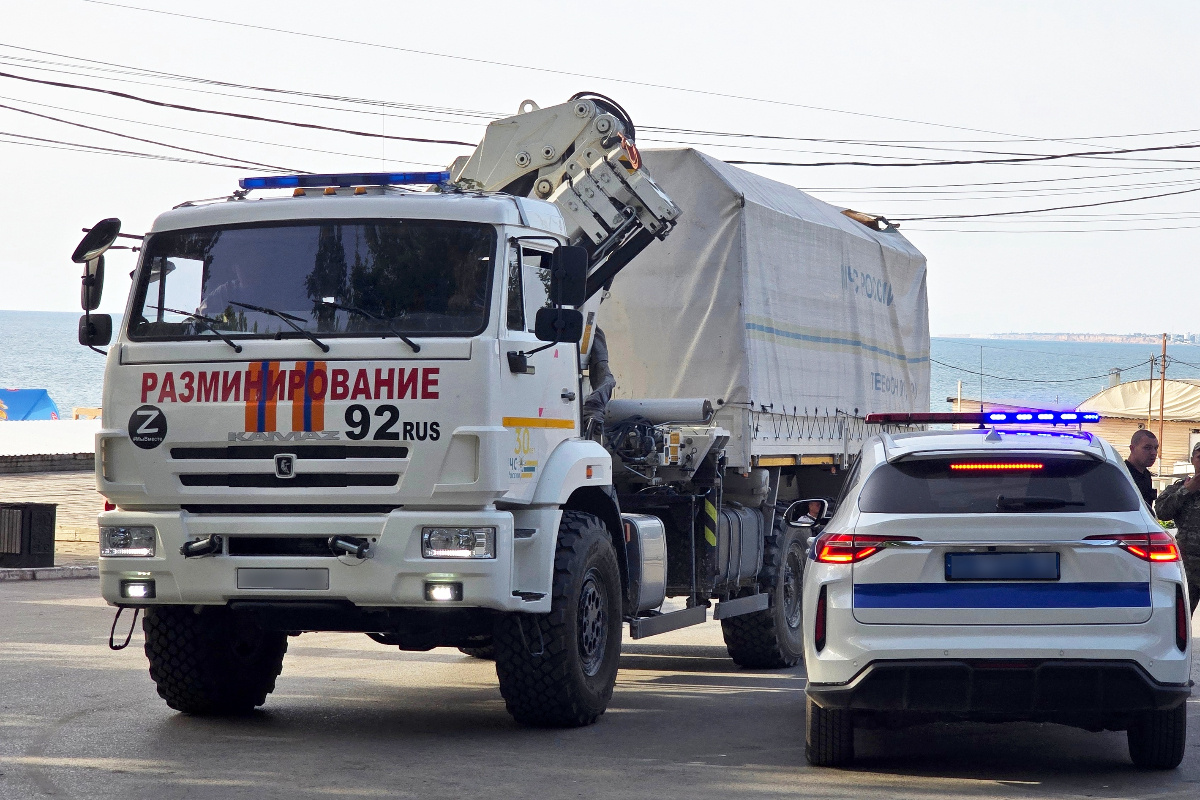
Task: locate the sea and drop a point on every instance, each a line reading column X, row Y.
column 39, row 350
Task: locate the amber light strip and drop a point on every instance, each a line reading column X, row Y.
column 1008, row 466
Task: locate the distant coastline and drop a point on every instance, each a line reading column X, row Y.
column 1112, row 338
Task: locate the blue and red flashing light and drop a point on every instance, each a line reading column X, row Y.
column 345, row 180
column 1031, row 417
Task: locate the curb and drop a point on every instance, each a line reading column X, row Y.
column 48, row 573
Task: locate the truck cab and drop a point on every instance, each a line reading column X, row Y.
column 331, row 411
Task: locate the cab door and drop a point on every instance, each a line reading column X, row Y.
column 540, row 403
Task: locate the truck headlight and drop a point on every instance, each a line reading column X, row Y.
column 127, row 542
column 458, row 542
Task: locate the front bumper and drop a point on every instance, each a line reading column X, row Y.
column 394, row 576
column 1077, row 691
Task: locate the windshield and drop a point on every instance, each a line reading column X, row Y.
column 423, row 277
column 970, row 484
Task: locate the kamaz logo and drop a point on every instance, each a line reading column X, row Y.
column 280, row 436
column 285, row 465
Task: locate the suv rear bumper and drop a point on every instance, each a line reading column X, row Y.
column 1049, row 691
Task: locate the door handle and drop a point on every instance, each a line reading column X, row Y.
column 567, row 396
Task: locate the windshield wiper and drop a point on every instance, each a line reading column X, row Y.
column 204, row 322
column 288, row 318
column 1031, row 502
column 332, row 303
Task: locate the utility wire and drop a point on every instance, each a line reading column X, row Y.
column 150, row 141
column 217, row 135
column 1053, row 230
column 236, row 115
column 547, row 70
column 1041, row 210
column 1105, row 154
column 1032, row 380
column 92, row 148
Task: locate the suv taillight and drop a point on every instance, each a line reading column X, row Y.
column 1156, row 546
column 847, row 548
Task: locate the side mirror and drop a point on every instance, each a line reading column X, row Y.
column 93, row 284
column 97, row 240
column 95, row 330
column 558, row 325
column 568, row 275
column 806, row 513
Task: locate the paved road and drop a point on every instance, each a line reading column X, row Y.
column 351, row 718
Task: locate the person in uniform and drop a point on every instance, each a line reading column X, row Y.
column 1143, row 452
column 1181, row 502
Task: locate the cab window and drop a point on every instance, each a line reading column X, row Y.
column 535, row 283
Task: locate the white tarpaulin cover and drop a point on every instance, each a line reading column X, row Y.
column 1139, row 399
column 764, row 295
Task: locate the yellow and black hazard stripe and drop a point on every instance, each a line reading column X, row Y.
column 710, row 522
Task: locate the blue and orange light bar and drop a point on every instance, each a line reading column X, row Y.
column 344, row 180
column 1031, row 417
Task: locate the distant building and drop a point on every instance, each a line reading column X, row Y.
column 1134, row 404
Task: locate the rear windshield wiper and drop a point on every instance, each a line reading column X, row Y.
column 1030, row 502
column 204, row 322
column 332, row 303
column 288, row 318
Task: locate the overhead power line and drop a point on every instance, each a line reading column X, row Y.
column 149, row 141
column 92, row 114
column 58, row 144
column 1022, row 159
column 234, row 114
column 546, row 70
column 1042, row 210
column 1032, row 380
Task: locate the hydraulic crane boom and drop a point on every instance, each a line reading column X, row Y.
column 579, row 155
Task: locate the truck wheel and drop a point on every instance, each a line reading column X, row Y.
column 829, row 735
column 771, row 638
column 1157, row 738
column 558, row 669
column 214, row 662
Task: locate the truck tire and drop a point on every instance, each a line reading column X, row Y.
column 829, row 735
column 559, row 669
column 212, row 662
column 1157, row 738
column 772, row 638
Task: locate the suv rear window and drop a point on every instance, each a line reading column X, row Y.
column 966, row 484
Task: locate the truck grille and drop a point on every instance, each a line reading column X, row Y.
column 314, row 480
column 269, row 451
column 279, row 546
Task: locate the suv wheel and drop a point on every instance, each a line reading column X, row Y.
column 829, row 735
column 1157, row 738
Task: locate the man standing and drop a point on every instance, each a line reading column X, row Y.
column 1181, row 502
column 1143, row 452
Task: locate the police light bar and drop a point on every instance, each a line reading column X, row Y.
column 985, row 418
column 344, row 180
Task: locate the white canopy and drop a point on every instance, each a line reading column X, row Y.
column 769, row 298
column 1140, row 399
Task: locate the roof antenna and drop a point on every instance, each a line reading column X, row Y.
column 993, row 435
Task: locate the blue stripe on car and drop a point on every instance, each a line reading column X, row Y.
column 1002, row 595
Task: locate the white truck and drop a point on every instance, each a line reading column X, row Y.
column 363, row 408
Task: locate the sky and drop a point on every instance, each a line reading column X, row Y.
column 890, row 82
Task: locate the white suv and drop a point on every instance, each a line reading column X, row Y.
column 995, row 575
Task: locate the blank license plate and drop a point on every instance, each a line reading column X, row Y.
column 1002, row 567
column 282, row 578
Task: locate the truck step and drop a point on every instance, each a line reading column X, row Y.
column 652, row 626
column 741, row 605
